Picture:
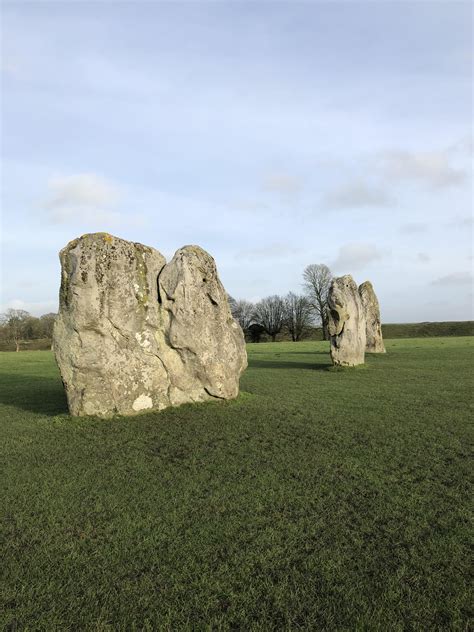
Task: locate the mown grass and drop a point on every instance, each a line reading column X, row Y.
column 428, row 330
column 318, row 500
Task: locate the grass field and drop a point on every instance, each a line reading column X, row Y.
column 318, row 500
column 428, row 330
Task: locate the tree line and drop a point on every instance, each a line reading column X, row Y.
column 294, row 313
column 18, row 325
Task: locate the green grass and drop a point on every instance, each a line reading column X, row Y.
column 318, row 500
column 427, row 330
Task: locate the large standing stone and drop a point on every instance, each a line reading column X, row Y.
column 199, row 325
column 374, row 343
column 346, row 322
column 134, row 333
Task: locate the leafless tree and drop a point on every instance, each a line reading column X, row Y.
column 298, row 315
column 47, row 324
column 15, row 325
column 243, row 312
column 270, row 313
column 317, row 279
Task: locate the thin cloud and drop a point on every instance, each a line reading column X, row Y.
column 37, row 308
column 432, row 168
column 422, row 257
column 251, row 206
column 455, row 278
column 355, row 256
column 283, row 183
column 82, row 196
column 462, row 222
column 414, row 227
column 356, row 195
column 272, row 251
column 464, row 145
column 10, row 66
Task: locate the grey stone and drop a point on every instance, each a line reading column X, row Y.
column 135, row 334
column 346, row 322
column 374, row 343
column 201, row 329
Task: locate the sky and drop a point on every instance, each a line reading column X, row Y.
column 273, row 134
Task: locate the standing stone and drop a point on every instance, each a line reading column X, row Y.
column 346, row 322
column 131, row 336
column 374, row 343
column 200, row 327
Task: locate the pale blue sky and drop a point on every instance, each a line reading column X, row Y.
column 272, row 134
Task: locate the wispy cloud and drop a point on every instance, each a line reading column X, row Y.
column 455, row 278
column 464, row 145
column 34, row 307
column 432, row 168
column 284, row 184
column 355, row 256
column 248, row 205
column 356, row 195
column 414, row 227
column 272, row 251
column 465, row 223
column 422, row 257
column 10, row 66
column 82, row 196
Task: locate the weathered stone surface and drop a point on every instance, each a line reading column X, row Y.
column 134, row 333
column 200, row 327
column 374, row 340
column 346, row 322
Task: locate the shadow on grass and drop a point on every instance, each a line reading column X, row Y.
column 39, row 394
column 310, row 353
column 276, row 364
column 44, row 394
column 288, row 353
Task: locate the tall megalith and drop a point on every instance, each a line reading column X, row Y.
column 199, row 325
column 346, row 322
column 135, row 333
column 374, row 340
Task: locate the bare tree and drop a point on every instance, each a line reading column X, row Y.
column 298, row 315
column 15, row 325
column 243, row 312
column 317, row 278
column 47, row 325
column 270, row 313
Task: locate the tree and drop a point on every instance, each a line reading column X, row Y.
column 31, row 328
column 231, row 300
column 243, row 312
column 16, row 325
column 270, row 313
column 317, row 279
column 255, row 332
column 298, row 315
column 47, row 324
